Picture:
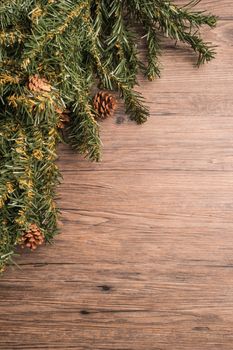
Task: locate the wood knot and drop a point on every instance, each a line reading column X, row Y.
column 201, row 329
column 105, row 288
column 84, row 312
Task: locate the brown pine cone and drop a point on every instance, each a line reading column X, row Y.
column 38, row 84
column 32, row 238
column 104, row 104
column 64, row 118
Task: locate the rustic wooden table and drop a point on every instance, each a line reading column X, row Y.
column 145, row 258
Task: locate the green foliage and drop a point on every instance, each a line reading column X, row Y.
column 71, row 46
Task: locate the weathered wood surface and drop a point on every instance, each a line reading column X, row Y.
column 145, row 258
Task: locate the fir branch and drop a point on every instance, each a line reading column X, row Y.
column 84, row 130
column 153, row 53
column 45, row 31
column 176, row 23
column 53, row 55
column 110, row 80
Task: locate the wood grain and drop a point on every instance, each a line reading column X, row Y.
column 145, row 257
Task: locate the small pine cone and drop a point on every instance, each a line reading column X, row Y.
column 39, row 84
column 104, row 104
column 32, row 238
column 64, row 118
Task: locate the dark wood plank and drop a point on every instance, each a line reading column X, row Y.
column 145, row 258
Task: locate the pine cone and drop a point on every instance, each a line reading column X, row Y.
column 32, row 238
column 64, row 118
column 38, row 84
column 104, row 104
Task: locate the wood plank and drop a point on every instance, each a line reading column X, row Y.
column 170, row 142
column 223, row 8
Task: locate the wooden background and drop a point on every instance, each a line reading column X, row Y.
column 145, row 258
